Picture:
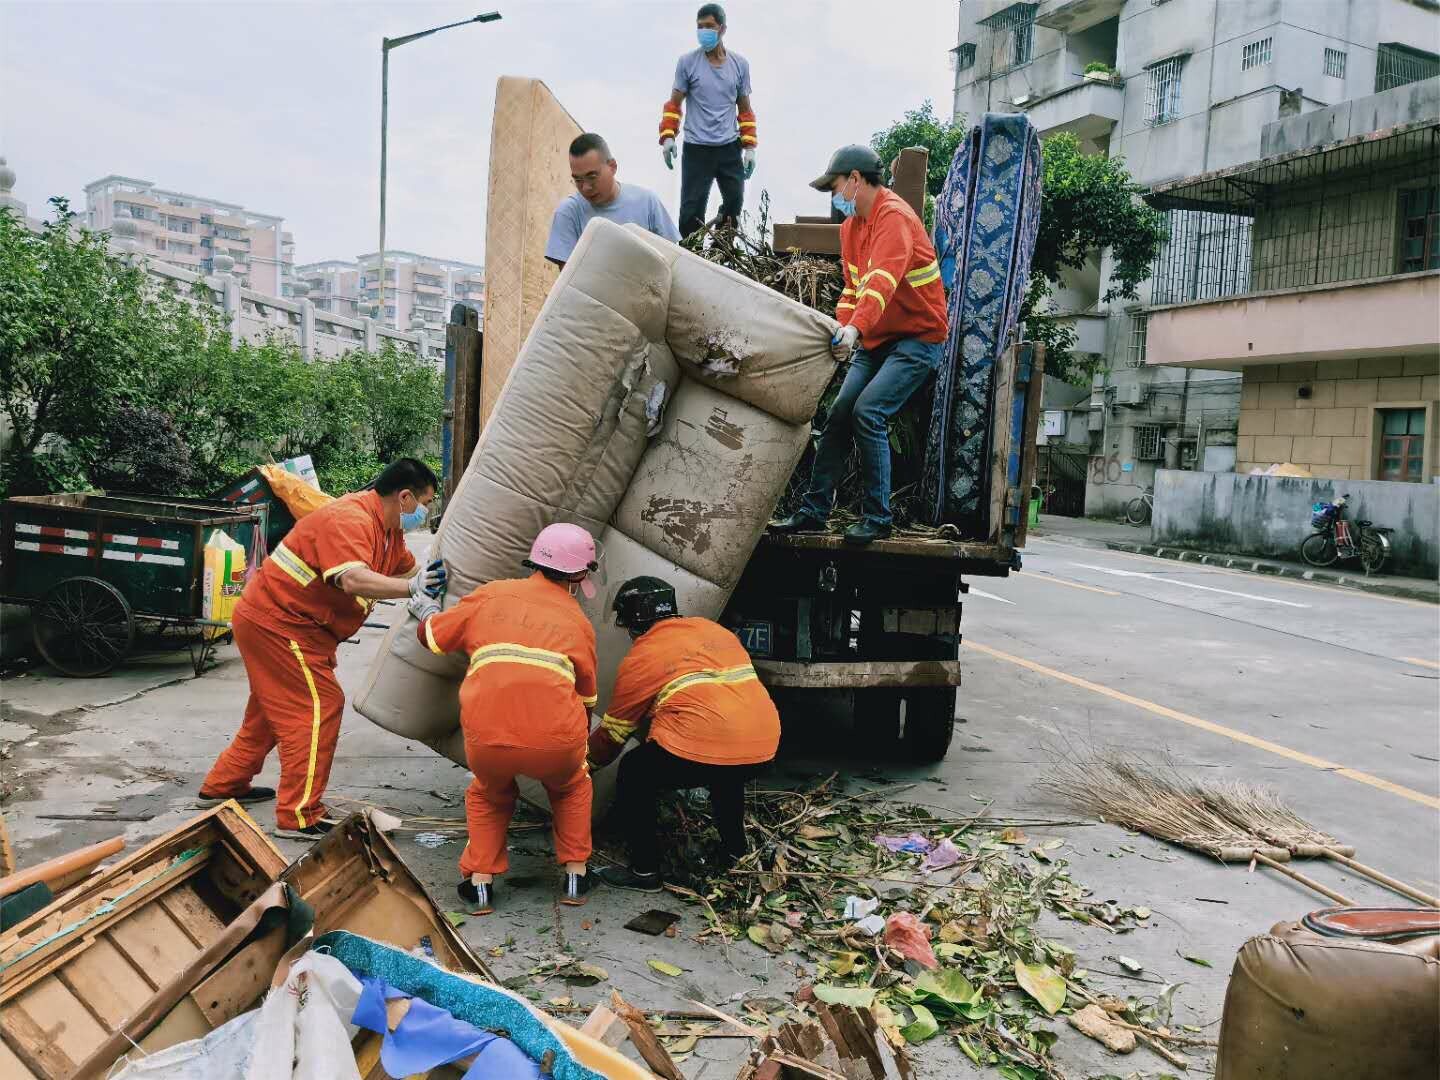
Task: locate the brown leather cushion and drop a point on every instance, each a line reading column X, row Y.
column 1374, row 924
column 1301, row 1006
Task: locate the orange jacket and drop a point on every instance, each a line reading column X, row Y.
column 692, row 678
column 892, row 279
column 297, row 591
column 531, row 682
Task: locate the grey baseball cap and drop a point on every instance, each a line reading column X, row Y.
column 854, row 157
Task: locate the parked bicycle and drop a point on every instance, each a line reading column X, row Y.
column 1335, row 538
column 1139, row 510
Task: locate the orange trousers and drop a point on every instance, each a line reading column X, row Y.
column 295, row 704
column 490, row 802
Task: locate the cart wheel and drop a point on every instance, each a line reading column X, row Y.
column 83, row 627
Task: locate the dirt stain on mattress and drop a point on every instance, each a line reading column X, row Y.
column 685, row 522
column 719, row 428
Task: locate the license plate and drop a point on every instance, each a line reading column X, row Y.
column 756, row 637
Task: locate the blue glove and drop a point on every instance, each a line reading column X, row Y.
column 430, row 581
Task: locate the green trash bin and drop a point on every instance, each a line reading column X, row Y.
column 1035, row 498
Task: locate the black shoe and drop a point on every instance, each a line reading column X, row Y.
column 481, row 898
column 796, row 523
column 866, row 533
column 316, row 830
column 575, row 889
column 621, row 877
column 247, row 797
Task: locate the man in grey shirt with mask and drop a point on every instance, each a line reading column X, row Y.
column 712, row 88
column 599, row 194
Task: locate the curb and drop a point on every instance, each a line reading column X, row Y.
column 1251, row 565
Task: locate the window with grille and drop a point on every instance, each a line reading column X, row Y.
column 1139, row 325
column 1335, row 63
column 963, row 56
column 1402, row 445
column 1147, row 443
column 1419, row 229
column 1014, row 28
column 1162, row 93
column 1256, row 54
column 1396, row 65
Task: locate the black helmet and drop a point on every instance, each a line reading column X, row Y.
column 644, row 601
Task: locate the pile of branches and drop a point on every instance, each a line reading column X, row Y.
column 816, row 281
column 959, row 952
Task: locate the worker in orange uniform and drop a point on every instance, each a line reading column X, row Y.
column 711, row 724
column 312, row 593
column 524, row 705
column 893, row 320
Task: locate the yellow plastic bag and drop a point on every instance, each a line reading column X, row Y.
column 299, row 496
column 224, row 578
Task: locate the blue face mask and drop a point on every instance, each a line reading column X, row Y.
column 415, row 518
column 708, row 38
column 844, row 205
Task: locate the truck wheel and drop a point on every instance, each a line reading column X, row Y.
column 917, row 723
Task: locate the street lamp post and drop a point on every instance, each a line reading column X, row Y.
column 386, row 44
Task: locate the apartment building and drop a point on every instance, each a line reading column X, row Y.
column 417, row 287
column 187, row 231
column 1178, row 88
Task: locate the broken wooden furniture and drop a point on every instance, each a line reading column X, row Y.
column 821, row 235
column 74, row 972
column 842, row 1042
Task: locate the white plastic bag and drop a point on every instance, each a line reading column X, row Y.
column 301, row 1032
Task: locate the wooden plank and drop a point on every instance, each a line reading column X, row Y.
column 646, row 1044
column 241, row 981
column 954, row 550
column 604, row 1026
column 181, row 1024
column 107, row 982
column 822, row 675
column 154, row 943
column 1034, row 404
column 815, row 219
column 201, row 925
column 1002, row 438
column 49, row 1023
column 11, row 1067
column 814, row 239
column 908, row 176
column 7, row 852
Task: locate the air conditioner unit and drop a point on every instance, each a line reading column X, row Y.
column 1130, row 393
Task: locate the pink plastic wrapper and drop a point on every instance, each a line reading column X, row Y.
column 913, row 844
column 945, row 854
column 908, row 936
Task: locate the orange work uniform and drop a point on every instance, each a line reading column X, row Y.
column 693, row 679
column 892, row 279
column 291, row 618
column 524, row 710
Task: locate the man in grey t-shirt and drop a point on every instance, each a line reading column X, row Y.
column 599, row 194
column 712, row 86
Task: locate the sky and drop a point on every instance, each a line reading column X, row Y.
column 276, row 105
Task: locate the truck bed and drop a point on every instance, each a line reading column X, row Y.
column 977, row 557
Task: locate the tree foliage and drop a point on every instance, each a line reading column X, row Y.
column 1089, row 203
column 109, row 380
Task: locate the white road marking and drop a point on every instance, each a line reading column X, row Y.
column 1187, row 585
column 988, row 596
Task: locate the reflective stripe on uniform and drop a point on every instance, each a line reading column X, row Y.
column 871, row 292
column 728, row 676
column 335, row 571
column 589, row 702
column 883, row 273
column 314, row 731
column 430, row 637
column 922, row 276
column 507, row 653
column 293, row 565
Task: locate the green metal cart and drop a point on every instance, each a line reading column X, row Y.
column 97, row 569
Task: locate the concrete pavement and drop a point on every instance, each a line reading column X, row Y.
column 1326, row 694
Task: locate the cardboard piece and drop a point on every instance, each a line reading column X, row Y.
column 813, row 235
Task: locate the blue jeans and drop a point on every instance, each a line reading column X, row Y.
column 877, row 387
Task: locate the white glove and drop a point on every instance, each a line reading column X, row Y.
column 667, row 149
column 747, row 156
column 430, row 581
column 422, row 607
column 843, row 343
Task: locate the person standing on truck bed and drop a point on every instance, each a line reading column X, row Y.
column 524, row 705
column 599, row 194
column 892, row 315
column 711, row 724
column 720, row 135
column 312, row 593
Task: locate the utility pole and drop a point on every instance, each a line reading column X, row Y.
column 386, row 44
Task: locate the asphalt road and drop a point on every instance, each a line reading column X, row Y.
column 1327, row 695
